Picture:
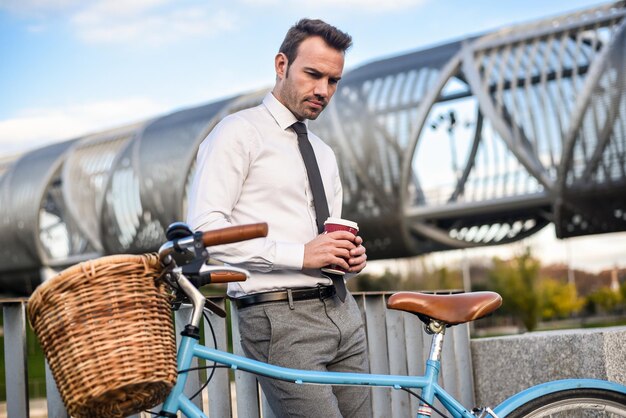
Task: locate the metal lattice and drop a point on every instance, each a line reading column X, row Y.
column 86, row 172
column 478, row 142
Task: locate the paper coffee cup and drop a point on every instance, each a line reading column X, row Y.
column 338, row 224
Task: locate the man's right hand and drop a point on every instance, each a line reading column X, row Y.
column 329, row 248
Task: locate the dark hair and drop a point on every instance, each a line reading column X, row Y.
column 307, row 28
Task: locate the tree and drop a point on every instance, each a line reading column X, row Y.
column 441, row 278
column 517, row 282
column 449, row 279
column 366, row 282
column 559, row 300
column 604, row 300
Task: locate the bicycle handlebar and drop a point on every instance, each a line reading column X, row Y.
column 227, row 277
column 230, row 235
column 217, row 237
column 234, row 234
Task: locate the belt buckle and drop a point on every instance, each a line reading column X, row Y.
column 320, row 290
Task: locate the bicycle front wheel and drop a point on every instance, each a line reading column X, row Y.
column 574, row 403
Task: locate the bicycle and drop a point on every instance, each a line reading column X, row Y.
column 566, row 398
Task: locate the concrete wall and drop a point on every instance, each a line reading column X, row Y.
column 504, row 366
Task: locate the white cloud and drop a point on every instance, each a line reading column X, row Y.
column 138, row 22
column 152, row 22
column 120, row 9
column 261, row 2
column 369, row 6
column 159, row 22
column 33, row 128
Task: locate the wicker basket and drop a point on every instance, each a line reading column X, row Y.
column 106, row 329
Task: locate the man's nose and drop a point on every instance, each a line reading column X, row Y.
column 321, row 88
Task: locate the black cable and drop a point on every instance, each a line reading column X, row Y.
column 423, row 400
column 179, row 294
column 191, row 369
column 165, row 274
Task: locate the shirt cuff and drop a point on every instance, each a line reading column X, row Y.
column 289, row 256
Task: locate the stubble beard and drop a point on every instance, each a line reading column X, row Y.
column 306, row 111
column 299, row 105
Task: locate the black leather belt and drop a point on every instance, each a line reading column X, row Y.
column 320, row 292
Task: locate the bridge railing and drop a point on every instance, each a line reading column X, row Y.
column 396, row 343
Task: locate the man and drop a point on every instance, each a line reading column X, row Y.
column 251, row 169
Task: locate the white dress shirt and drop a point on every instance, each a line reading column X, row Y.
column 249, row 169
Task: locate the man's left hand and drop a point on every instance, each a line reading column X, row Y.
column 358, row 257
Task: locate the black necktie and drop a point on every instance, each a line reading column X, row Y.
column 319, row 197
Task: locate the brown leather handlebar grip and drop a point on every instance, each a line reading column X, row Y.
column 227, row 276
column 234, row 234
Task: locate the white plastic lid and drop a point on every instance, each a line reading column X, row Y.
column 344, row 222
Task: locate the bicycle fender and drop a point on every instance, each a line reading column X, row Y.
column 510, row 404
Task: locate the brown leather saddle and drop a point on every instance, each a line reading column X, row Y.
column 451, row 309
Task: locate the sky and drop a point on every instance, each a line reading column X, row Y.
column 72, row 67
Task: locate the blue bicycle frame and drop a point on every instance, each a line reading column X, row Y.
column 428, row 383
column 190, row 348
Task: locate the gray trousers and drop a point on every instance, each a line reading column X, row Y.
column 324, row 335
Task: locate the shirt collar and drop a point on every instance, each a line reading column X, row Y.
column 283, row 116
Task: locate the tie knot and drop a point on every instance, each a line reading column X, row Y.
column 299, row 128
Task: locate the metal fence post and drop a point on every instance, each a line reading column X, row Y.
column 246, row 385
column 379, row 357
column 219, row 389
column 56, row 408
column 15, row 358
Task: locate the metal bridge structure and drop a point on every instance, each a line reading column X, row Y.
column 477, row 142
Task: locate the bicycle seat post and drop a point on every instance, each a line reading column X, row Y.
column 433, row 365
column 437, row 330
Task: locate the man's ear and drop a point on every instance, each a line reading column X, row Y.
column 281, row 64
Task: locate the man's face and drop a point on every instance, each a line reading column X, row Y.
column 306, row 85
